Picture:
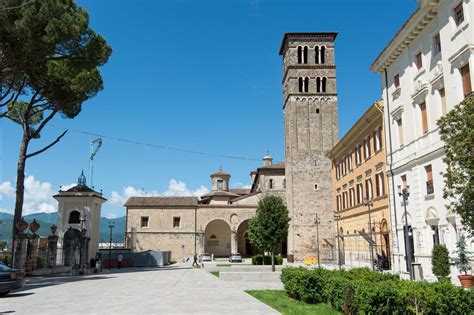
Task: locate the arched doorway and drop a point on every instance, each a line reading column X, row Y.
column 217, row 238
column 385, row 245
column 71, row 247
column 246, row 249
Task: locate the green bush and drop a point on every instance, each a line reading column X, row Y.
column 40, row 262
column 362, row 291
column 258, row 260
column 440, row 261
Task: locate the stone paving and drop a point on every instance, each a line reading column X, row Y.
column 173, row 290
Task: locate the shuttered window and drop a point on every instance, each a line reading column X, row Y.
column 424, row 118
column 442, row 96
column 466, row 80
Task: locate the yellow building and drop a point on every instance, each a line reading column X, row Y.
column 361, row 190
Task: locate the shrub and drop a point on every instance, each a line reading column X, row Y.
column 40, row 262
column 305, row 285
column 440, row 261
column 349, row 298
column 377, row 297
column 334, row 290
column 258, row 260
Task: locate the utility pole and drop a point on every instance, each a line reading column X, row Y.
column 83, row 232
column 405, row 194
column 339, row 261
column 318, row 222
column 369, row 203
column 111, row 227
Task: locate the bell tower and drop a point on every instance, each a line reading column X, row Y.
column 311, row 131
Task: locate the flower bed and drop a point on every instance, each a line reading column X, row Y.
column 364, row 291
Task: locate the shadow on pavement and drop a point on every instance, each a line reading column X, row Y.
column 15, row 294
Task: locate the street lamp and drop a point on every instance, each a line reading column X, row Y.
column 405, row 194
column 369, row 203
column 111, row 227
column 317, row 222
column 337, row 217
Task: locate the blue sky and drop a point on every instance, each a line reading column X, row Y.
column 202, row 76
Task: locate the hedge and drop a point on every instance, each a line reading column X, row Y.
column 362, row 291
column 258, row 260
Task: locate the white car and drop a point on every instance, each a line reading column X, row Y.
column 235, row 258
column 206, row 257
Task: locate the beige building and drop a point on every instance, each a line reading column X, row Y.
column 216, row 223
column 360, row 184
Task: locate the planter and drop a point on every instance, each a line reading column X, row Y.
column 467, row 281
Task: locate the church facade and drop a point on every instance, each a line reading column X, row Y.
column 217, row 222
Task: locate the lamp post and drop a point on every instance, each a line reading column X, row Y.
column 404, row 193
column 111, row 227
column 337, row 217
column 317, row 222
column 369, row 203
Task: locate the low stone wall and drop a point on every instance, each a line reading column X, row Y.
column 51, row 271
column 252, row 276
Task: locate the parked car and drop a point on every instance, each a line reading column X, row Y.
column 10, row 279
column 235, row 258
column 206, row 257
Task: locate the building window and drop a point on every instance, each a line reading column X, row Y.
column 305, row 54
column 436, row 44
column 367, row 152
column 349, row 161
column 360, row 193
column 466, row 80
column 220, row 184
column 337, row 170
column 396, row 81
column 435, row 233
column 357, row 154
column 442, row 97
column 318, row 84
column 284, row 184
column 176, row 222
column 400, row 132
column 316, row 186
column 379, row 184
column 144, row 221
column 323, row 54
column 368, row 188
column 74, row 217
column 270, row 183
column 418, row 61
column 323, row 85
column 429, row 180
column 424, row 118
column 303, row 84
column 316, row 54
column 344, row 200
column 351, row 197
column 300, row 54
column 458, row 14
column 338, row 202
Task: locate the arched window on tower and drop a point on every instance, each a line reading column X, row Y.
column 305, row 54
column 74, row 217
column 323, row 85
column 316, row 54
column 306, row 84
column 270, row 183
column 300, row 54
column 300, row 85
column 318, row 84
column 322, row 52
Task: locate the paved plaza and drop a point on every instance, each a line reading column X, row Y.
column 173, row 290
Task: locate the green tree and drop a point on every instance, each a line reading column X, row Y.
column 270, row 225
column 457, row 131
column 49, row 59
column 462, row 260
column 440, row 261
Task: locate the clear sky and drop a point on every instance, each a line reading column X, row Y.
column 202, row 76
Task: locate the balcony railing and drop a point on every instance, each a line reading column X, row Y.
column 429, row 187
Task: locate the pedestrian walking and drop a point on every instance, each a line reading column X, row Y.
column 195, row 261
column 119, row 261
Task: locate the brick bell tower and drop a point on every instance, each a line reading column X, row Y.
column 311, row 131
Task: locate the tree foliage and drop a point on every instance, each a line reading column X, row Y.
column 457, row 131
column 440, row 261
column 270, row 225
column 462, row 260
column 49, row 59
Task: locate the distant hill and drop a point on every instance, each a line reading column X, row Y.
column 45, row 221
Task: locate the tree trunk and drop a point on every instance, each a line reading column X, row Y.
column 20, row 184
column 273, row 260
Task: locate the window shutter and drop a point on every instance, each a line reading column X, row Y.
column 466, row 80
column 424, row 118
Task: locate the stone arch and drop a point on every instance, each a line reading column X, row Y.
column 431, row 216
column 220, row 243
column 385, row 244
column 71, row 247
column 244, row 246
column 74, row 217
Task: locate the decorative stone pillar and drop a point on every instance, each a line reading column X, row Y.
column 52, row 247
column 233, row 242
column 20, row 245
column 33, row 243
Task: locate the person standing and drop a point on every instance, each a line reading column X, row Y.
column 119, row 261
column 195, row 262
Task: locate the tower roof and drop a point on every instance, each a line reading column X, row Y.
column 331, row 36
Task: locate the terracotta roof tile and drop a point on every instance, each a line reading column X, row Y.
column 161, row 201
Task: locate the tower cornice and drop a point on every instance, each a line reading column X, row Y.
column 326, row 36
column 306, row 66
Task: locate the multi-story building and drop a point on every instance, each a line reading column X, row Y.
column 360, row 192
column 425, row 71
column 311, row 131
